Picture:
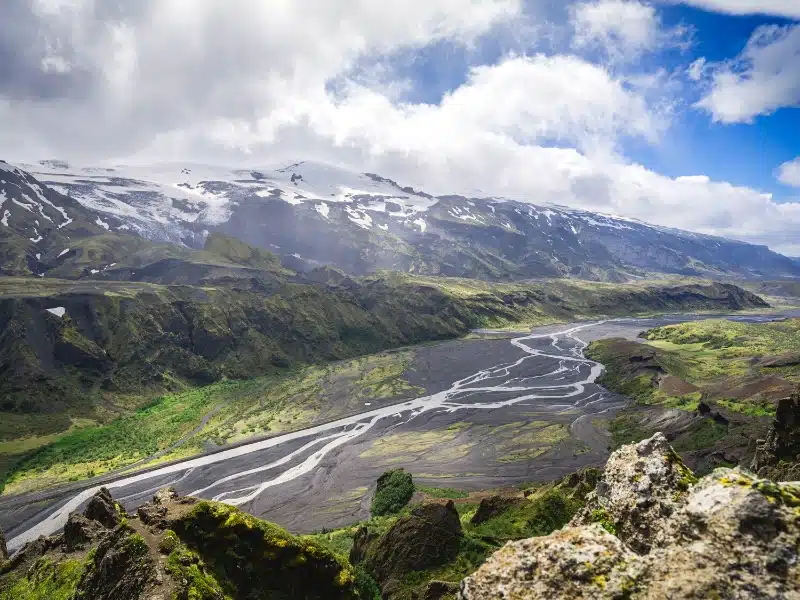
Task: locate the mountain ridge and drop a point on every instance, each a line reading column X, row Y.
column 311, row 215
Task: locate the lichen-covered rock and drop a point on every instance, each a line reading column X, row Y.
column 428, row 537
column 735, row 537
column 493, row 506
column 731, row 535
column 121, row 569
column 642, row 486
column 80, row 531
column 103, row 509
column 574, row 563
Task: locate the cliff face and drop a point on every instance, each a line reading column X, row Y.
column 651, row 530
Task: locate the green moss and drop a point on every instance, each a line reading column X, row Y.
column 436, row 492
column 686, row 478
column 601, row 516
column 193, row 578
column 238, row 550
column 169, row 542
column 395, row 489
column 784, row 494
column 45, row 580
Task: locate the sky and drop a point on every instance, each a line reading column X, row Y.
column 680, row 113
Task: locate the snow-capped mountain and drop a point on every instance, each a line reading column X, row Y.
column 312, row 214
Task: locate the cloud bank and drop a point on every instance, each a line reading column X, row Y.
column 545, row 120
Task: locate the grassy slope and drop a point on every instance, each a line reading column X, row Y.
column 739, row 370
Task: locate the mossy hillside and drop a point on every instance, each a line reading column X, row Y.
column 738, row 369
column 45, row 580
column 260, row 560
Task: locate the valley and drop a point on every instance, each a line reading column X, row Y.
column 497, row 412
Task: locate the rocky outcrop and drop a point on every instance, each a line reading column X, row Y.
column 778, row 456
column 643, row 484
column 493, row 506
column 730, row 535
column 102, row 508
column 430, row 536
column 122, row 568
column 80, row 531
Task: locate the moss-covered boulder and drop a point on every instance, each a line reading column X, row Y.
column 428, row 537
column 258, row 560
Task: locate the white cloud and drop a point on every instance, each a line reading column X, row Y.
column 789, row 173
column 780, row 8
column 624, row 29
column 250, row 83
column 764, row 78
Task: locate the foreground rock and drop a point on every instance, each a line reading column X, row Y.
column 730, row 535
column 428, row 537
column 177, row 548
column 778, row 457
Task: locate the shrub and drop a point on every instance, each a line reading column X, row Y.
column 395, row 489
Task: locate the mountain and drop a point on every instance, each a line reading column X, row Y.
column 312, row 214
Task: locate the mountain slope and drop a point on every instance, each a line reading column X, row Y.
column 312, row 214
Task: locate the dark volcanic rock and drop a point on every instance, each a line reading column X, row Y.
column 436, row 590
column 428, row 537
column 103, row 509
column 79, row 531
column 361, row 542
column 778, row 457
column 493, row 506
column 122, row 569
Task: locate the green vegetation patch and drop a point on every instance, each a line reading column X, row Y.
column 395, row 489
column 438, row 492
column 45, row 580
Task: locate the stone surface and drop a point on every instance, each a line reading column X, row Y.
column 428, row 537
column 121, row 569
column 730, row 535
column 80, row 531
column 103, row 509
column 643, row 484
column 571, row 564
column 436, row 590
column 778, row 456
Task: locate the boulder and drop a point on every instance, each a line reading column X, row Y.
column 121, row 568
column 103, row 509
column 428, row 537
column 494, row 506
column 730, row 535
column 80, row 531
column 571, row 564
column 643, row 484
column 736, row 536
